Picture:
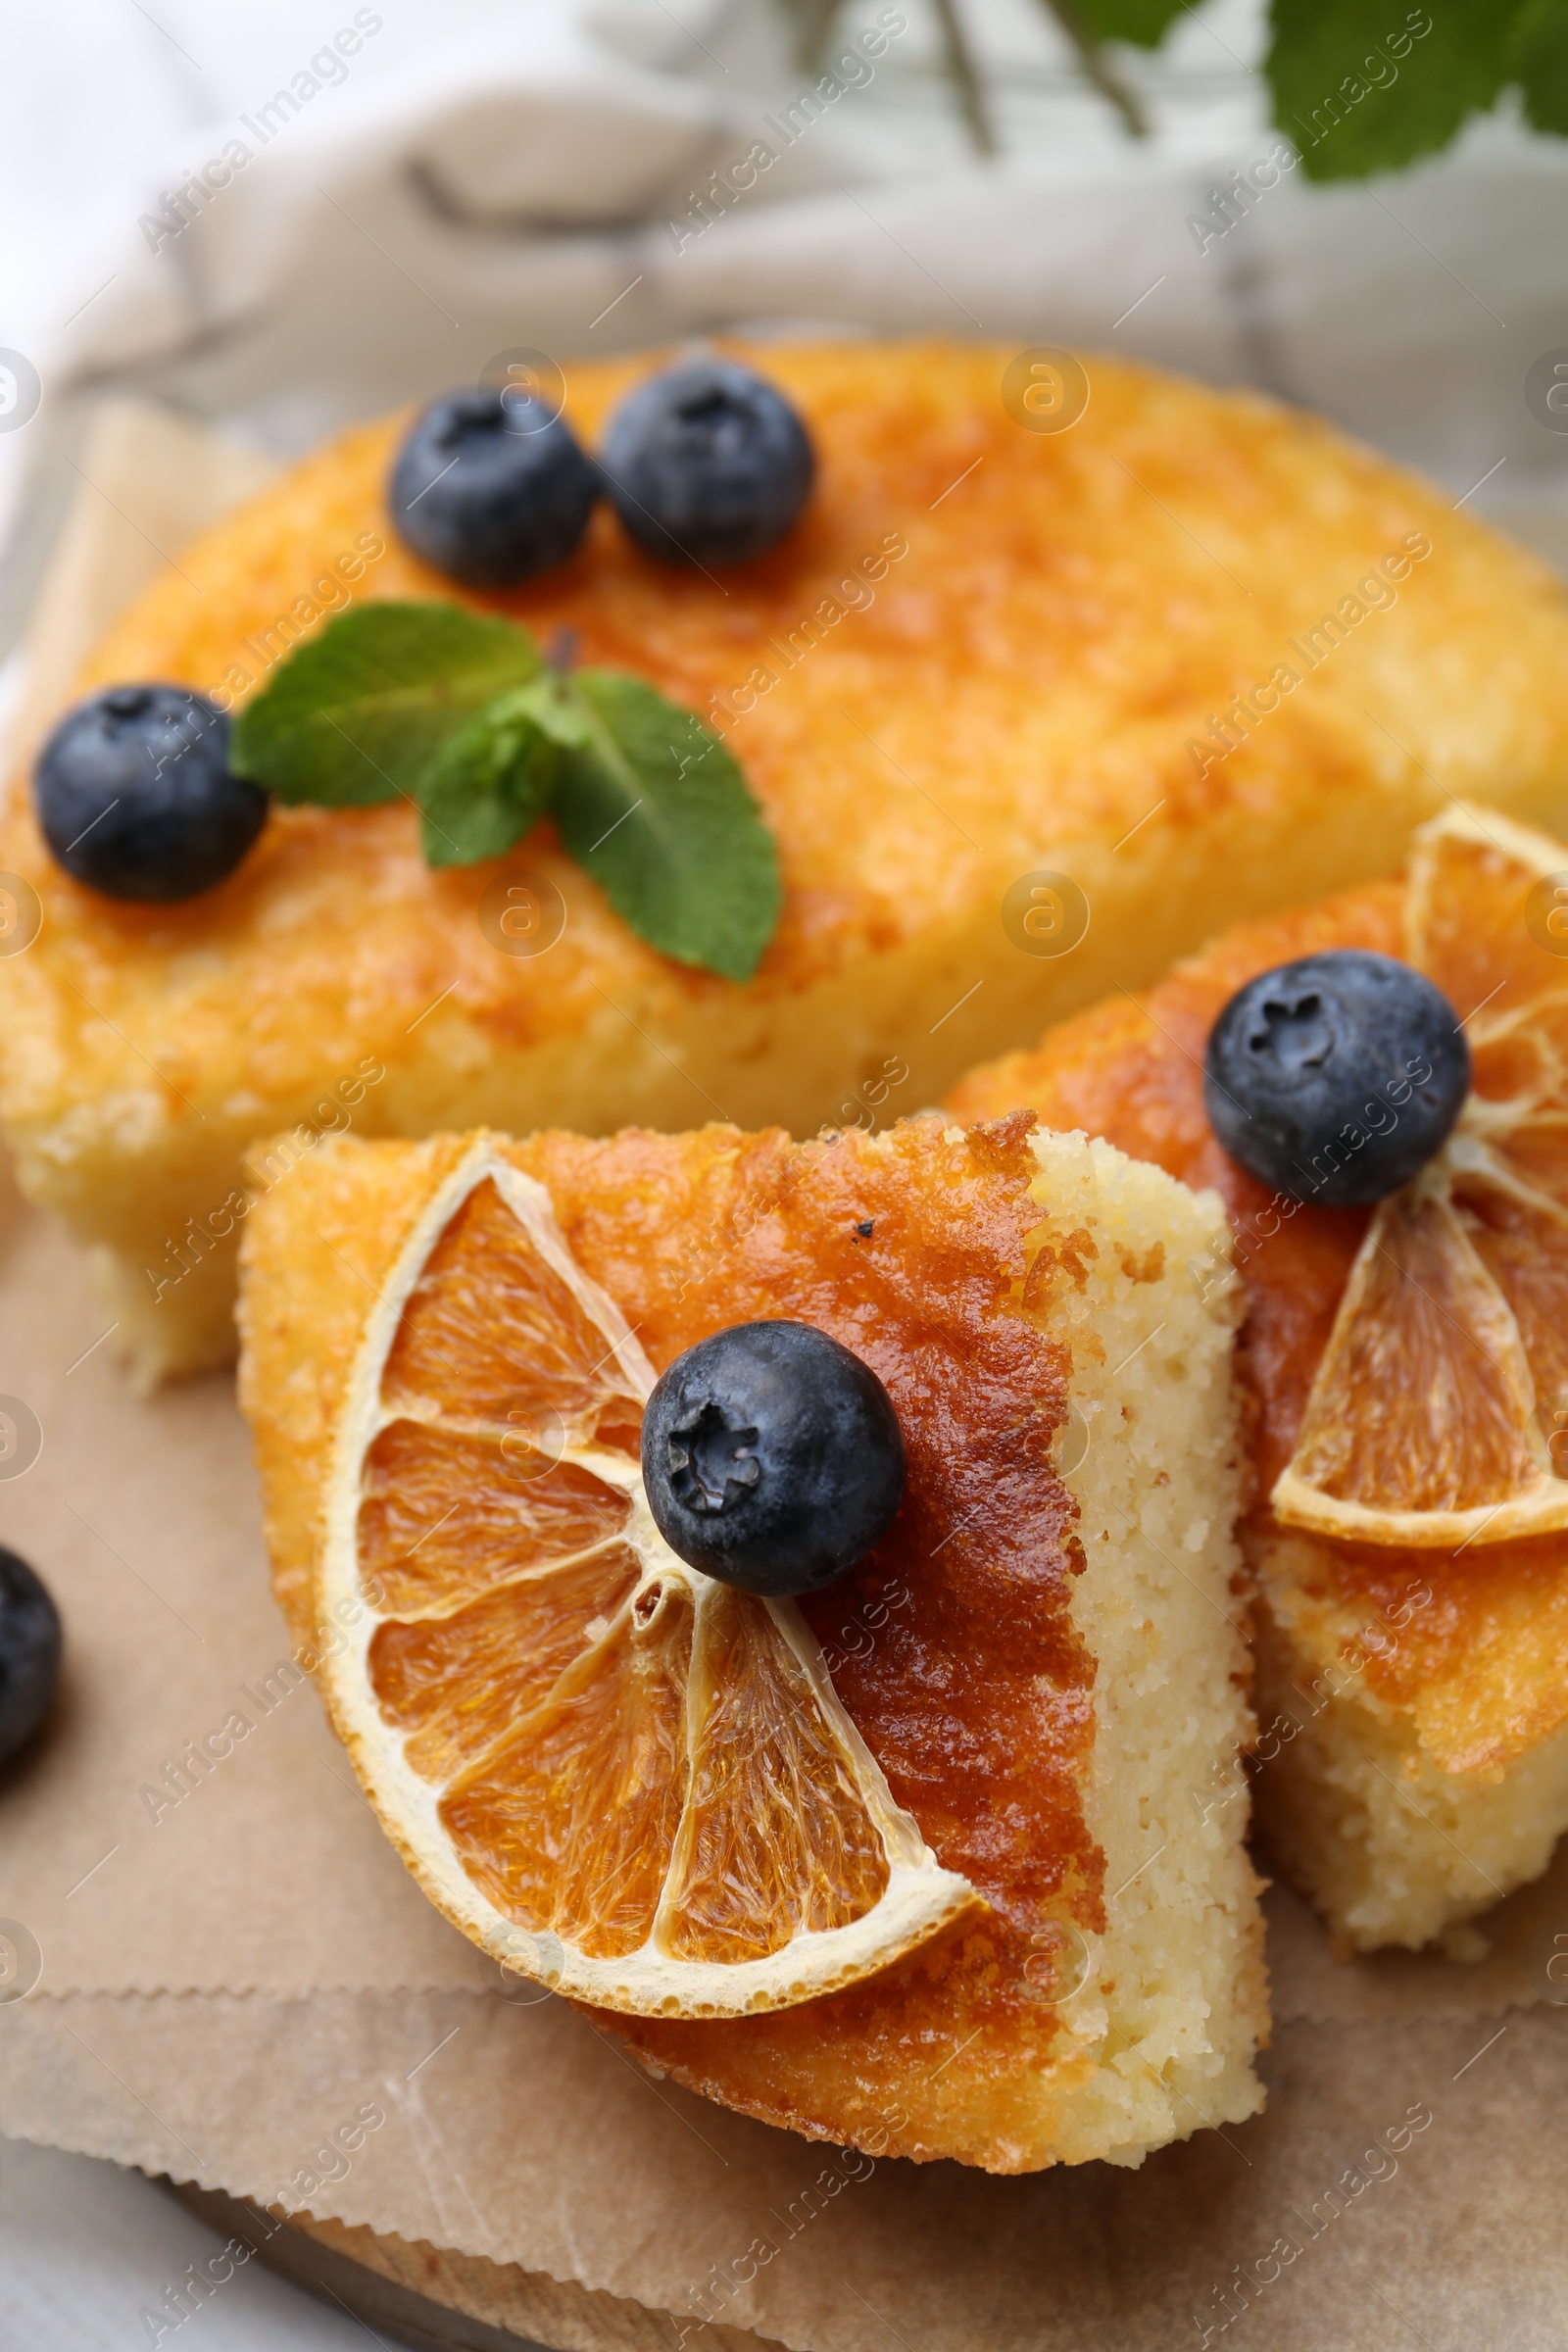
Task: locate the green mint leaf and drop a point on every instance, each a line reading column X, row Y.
column 657, row 813
column 492, row 779
column 1145, row 23
column 1359, row 93
column 1538, row 60
column 554, row 706
column 488, row 783
column 358, row 714
column 459, row 713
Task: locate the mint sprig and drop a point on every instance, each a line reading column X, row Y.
column 460, row 713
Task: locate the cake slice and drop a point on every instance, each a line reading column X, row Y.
column 1032, row 1679
column 1412, row 1694
column 1137, row 653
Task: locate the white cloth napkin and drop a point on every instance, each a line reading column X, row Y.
column 390, row 195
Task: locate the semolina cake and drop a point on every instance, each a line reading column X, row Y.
column 1189, row 658
column 1412, row 1694
column 1040, row 1655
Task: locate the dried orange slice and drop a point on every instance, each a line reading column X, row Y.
column 608, row 1770
column 1439, row 1413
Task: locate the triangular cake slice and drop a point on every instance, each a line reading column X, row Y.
column 1042, row 1655
column 1412, row 1766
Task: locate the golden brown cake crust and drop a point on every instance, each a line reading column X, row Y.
column 936, row 1259
column 1480, row 1667
column 1040, row 626
column 1132, row 1070
column 695, row 1231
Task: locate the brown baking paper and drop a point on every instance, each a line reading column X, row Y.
column 232, row 1963
column 1405, row 2185
column 189, row 1821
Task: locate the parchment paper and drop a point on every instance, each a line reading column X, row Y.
column 1405, row 2185
column 234, row 1964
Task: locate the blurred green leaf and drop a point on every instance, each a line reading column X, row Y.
column 1362, row 87
column 1538, row 60
column 1145, row 23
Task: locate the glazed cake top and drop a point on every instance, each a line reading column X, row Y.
column 967, row 1270
column 983, row 648
column 1482, row 1658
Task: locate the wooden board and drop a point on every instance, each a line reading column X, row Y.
column 437, row 2300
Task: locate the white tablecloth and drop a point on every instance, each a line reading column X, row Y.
column 87, row 2249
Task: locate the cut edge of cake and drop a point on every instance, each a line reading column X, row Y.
column 1177, row 2002
column 1390, row 1844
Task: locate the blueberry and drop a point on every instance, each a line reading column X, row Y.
column 491, row 489
column 29, row 1652
column 136, row 798
column 771, row 1458
column 1335, row 1078
column 708, row 465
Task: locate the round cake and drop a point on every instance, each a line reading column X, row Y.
column 1192, row 656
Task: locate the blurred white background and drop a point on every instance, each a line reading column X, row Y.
column 480, row 175
column 85, row 2248
column 483, row 174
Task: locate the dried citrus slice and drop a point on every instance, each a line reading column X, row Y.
column 1439, row 1413
column 607, row 1769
